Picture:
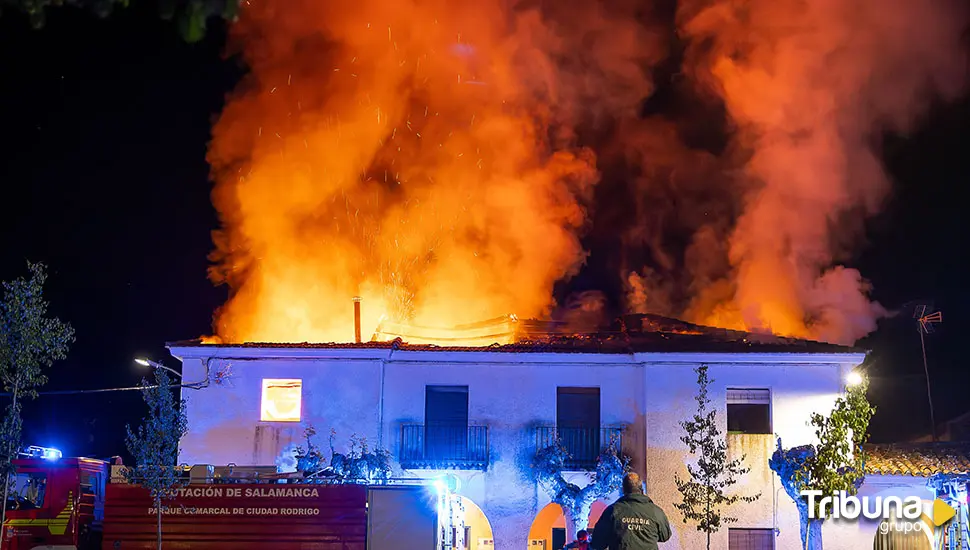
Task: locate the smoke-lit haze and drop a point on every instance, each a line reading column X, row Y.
column 451, row 162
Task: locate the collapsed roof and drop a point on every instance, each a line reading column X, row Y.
column 626, row 334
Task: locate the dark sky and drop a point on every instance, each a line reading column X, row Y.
column 105, row 125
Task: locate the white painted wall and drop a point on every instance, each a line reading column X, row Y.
column 797, row 390
column 372, row 392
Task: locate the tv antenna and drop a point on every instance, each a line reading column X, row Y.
column 925, row 319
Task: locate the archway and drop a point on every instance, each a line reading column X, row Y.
column 478, row 531
column 903, row 534
column 550, row 519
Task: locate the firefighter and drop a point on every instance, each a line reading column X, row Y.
column 34, row 492
column 633, row 522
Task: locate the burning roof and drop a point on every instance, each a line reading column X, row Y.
column 626, row 334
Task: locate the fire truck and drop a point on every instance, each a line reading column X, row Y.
column 58, row 503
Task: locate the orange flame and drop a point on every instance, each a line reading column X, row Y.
column 389, row 150
column 436, row 158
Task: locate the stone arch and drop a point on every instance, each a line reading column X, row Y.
column 551, row 516
column 477, row 526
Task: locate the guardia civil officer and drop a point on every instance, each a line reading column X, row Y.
column 633, row 522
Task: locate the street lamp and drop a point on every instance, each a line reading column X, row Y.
column 149, row 363
column 854, row 378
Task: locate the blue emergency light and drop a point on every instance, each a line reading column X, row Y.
column 47, row 453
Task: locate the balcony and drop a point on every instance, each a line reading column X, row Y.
column 584, row 445
column 444, row 447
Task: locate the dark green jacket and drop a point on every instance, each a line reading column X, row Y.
column 633, row 522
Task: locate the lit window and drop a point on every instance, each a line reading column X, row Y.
column 282, row 400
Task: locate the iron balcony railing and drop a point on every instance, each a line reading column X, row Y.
column 444, row 446
column 584, row 445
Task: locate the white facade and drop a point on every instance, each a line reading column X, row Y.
column 371, row 391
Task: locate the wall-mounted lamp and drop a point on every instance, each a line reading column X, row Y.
column 854, row 378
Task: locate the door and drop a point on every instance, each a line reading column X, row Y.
column 30, row 522
column 558, row 537
column 578, row 423
column 446, row 422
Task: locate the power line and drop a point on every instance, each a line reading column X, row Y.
column 103, row 390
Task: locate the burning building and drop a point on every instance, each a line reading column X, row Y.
column 449, row 162
column 480, row 409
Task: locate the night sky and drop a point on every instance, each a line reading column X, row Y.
column 105, row 126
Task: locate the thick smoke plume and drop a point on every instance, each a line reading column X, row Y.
column 446, row 160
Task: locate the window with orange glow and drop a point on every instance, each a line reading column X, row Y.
column 282, row 400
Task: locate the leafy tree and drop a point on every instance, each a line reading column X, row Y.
column 835, row 463
column 30, row 341
column 576, row 502
column 155, row 445
column 706, row 492
column 192, row 15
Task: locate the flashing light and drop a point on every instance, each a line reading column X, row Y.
column 47, row 453
column 448, row 483
column 854, row 378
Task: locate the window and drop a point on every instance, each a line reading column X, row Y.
column 27, row 491
column 749, row 411
column 282, row 400
column 578, row 407
column 751, row 539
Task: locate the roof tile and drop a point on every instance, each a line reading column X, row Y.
column 919, row 460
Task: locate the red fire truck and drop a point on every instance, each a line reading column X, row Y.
column 60, row 503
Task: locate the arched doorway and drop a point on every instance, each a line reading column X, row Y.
column 478, row 531
column 549, row 525
column 902, row 534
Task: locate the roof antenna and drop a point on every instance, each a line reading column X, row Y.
column 925, row 319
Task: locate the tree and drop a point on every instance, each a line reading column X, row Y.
column 835, row 463
column 706, row 492
column 577, row 502
column 30, row 341
column 192, row 15
column 155, row 445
